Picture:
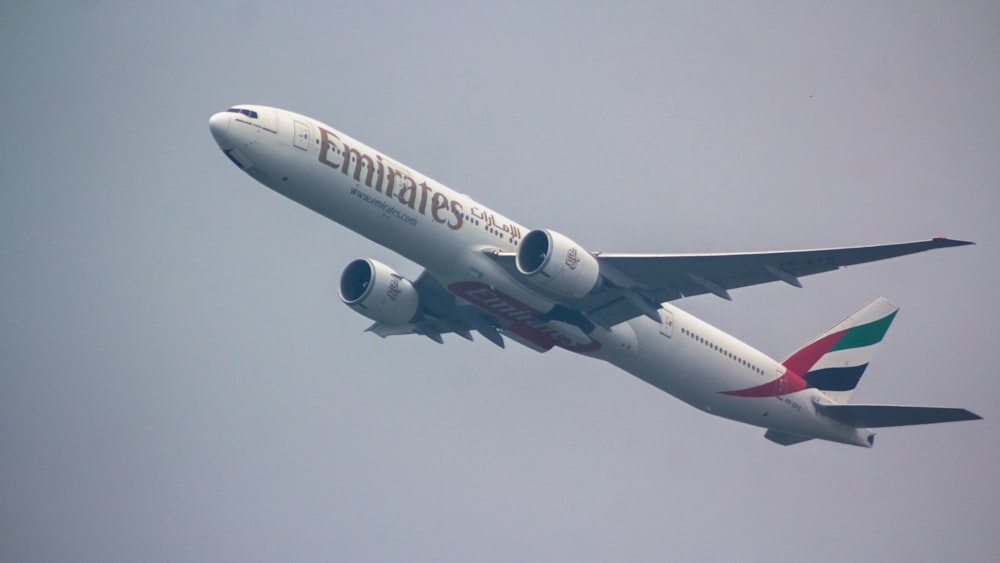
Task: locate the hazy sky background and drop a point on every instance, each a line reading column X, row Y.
column 179, row 381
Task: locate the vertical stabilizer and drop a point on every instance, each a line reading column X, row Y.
column 834, row 362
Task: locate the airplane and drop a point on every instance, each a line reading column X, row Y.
column 486, row 274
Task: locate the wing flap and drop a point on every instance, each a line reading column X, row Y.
column 881, row 416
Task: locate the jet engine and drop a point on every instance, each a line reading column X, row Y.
column 558, row 264
column 378, row 292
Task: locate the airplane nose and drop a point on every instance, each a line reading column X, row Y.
column 218, row 124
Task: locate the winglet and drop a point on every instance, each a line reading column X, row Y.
column 943, row 242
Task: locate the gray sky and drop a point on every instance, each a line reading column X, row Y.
column 179, row 382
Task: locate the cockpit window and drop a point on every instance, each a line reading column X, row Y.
column 247, row 112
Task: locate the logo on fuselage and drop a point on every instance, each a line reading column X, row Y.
column 393, row 181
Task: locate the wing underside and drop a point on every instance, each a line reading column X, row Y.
column 440, row 313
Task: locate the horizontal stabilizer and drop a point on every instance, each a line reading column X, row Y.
column 784, row 438
column 881, row 416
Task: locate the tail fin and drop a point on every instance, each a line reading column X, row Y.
column 834, row 362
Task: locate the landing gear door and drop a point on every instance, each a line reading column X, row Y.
column 301, row 138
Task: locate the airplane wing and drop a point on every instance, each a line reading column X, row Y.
column 440, row 313
column 637, row 283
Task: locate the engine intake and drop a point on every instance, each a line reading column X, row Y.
column 558, row 264
column 378, row 292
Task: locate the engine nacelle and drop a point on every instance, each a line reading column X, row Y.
column 558, row 264
column 378, row 292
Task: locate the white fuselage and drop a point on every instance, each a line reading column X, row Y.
column 446, row 232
